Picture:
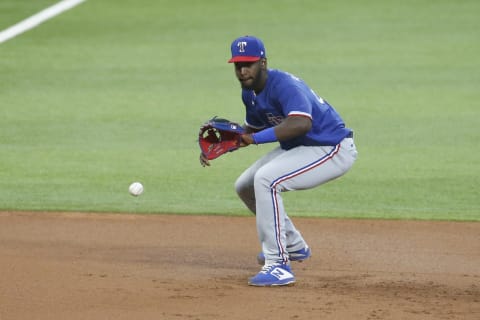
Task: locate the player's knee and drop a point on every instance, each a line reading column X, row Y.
column 239, row 186
column 242, row 187
column 246, row 193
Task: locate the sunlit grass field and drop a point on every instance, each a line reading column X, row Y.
column 113, row 92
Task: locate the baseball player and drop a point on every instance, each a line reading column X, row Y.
column 314, row 148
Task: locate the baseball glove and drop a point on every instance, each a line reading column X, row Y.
column 218, row 136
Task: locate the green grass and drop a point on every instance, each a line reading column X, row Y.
column 12, row 12
column 114, row 92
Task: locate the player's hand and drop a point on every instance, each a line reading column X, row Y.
column 203, row 160
column 246, row 139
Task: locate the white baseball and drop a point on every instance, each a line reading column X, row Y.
column 135, row 189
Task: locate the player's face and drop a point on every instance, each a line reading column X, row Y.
column 252, row 75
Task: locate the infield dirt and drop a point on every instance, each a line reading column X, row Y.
column 119, row 266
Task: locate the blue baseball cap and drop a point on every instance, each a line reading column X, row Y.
column 247, row 49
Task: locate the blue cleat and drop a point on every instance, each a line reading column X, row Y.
column 299, row 256
column 273, row 275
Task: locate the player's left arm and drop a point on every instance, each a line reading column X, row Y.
column 249, row 129
column 246, row 138
column 298, row 108
column 291, row 127
column 298, row 122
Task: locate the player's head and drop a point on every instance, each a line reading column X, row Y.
column 247, row 49
column 248, row 55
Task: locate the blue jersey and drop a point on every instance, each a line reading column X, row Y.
column 286, row 95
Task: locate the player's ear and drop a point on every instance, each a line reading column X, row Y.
column 264, row 63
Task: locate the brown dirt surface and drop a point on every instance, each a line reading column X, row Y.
column 120, row 266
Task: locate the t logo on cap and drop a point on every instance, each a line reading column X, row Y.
column 241, row 46
column 247, row 49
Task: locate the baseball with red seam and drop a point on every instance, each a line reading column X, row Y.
column 135, row 189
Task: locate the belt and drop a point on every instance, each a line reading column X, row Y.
column 350, row 135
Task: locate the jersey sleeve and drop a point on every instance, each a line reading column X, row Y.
column 294, row 100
